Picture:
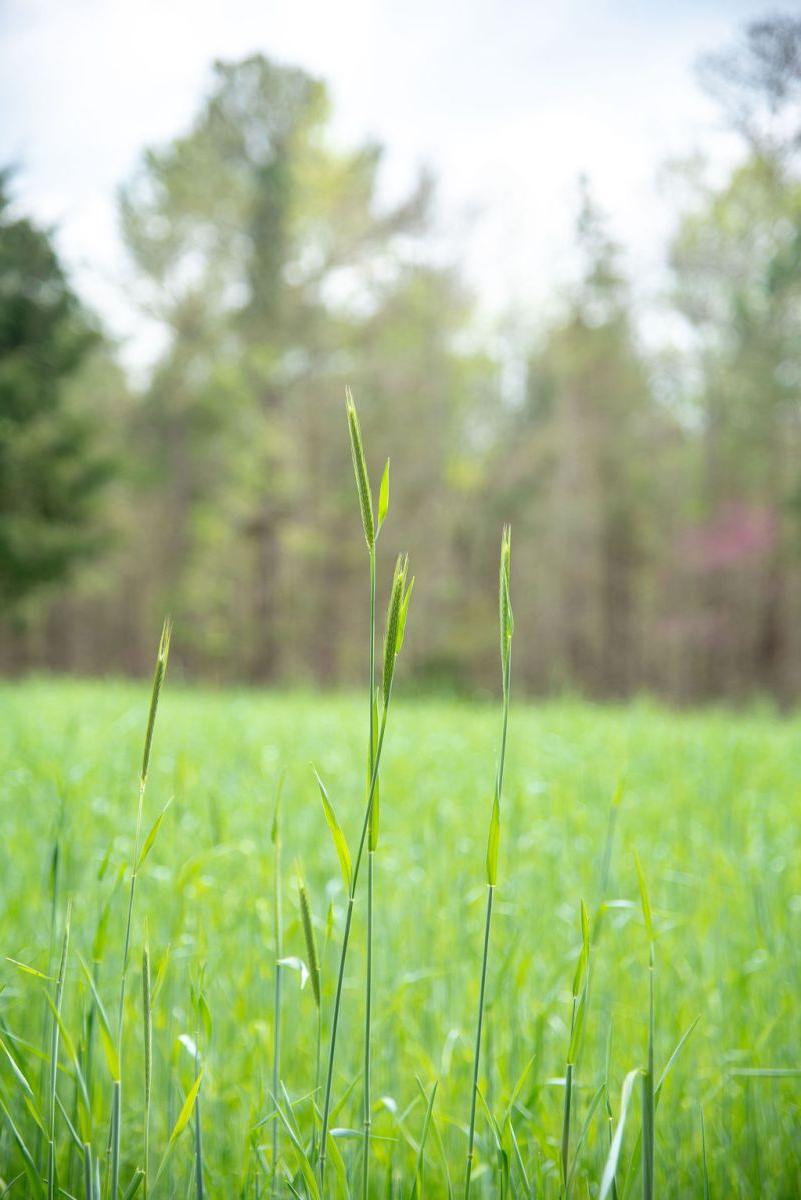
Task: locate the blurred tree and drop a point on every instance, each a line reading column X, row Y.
column 737, row 264
column 655, row 499
column 580, row 474
column 52, row 471
column 736, row 257
column 278, row 273
column 758, row 84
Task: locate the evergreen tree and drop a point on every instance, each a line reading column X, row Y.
column 51, row 474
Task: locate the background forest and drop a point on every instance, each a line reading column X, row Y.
column 655, row 492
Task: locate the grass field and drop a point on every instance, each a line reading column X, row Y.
column 710, row 803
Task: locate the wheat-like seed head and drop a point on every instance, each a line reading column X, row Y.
column 158, row 679
column 360, row 471
column 395, row 617
column 311, row 943
column 507, row 623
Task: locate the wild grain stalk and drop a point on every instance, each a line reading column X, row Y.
column 395, row 626
column 506, row 630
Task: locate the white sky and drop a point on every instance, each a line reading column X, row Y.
column 508, row 100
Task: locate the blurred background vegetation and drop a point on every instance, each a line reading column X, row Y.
column 655, row 496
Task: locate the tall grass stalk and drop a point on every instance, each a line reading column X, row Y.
column 371, row 843
column 115, row 1137
column 54, row 874
column 87, row 1172
column 147, row 1019
column 278, row 944
column 139, row 854
column 397, row 611
column 313, row 960
column 368, row 1007
column 52, row 1184
column 579, row 999
column 506, row 622
column 371, row 531
column 648, row 1097
column 199, row 1185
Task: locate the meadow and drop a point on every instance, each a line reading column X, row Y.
column 708, row 800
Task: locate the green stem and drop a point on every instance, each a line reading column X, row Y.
column 566, row 1126
column 199, row 1188
column 148, row 1050
column 87, row 1171
column 648, row 1107
column 507, row 675
column 129, row 922
column 117, row 1083
column 367, row 1022
column 344, row 952
column 316, row 1079
column 369, row 968
column 472, row 1133
column 276, row 1002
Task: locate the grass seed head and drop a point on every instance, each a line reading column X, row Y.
column 507, row 623
column 311, row 942
column 396, row 620
column 360, row 471
column 158, row 679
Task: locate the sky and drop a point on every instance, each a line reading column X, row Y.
column 509, row 101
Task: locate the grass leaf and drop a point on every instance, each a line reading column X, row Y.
column 152, row 835
column 340, row 841
column 610, row 1167
column 383, row 497
column 493, row 841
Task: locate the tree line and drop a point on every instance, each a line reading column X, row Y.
column 655, row 495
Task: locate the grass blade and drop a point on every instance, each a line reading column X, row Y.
column 417, row 1187
column 607, row 1179
column 340, row 841
column 181, row 1123
column 147, row 1034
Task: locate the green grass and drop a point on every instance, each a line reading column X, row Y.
column 711, row 805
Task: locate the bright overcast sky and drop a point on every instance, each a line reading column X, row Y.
column 508, row 101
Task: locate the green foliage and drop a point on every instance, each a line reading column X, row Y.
column 309, row 284
column 722, row 904
column 52, row 471
column 654, row 488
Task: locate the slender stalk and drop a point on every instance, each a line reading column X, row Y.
column 368, row 983
column 367, row 1030
column 87, row 1171
column 344, row 951
column 393, row 639
column 648, row 1095
column 158, row 679
column 477, row 1053
column 114, row 1139
column 580, row 991
column 278, row 981
column 148, row 1047
column 317, row 1063
column 199, row 1188
column 54, row 1042
column 117, row 1083
column 313, row 962
column 126, row 947
column 648, row 1104
column 565, row 1154
column 506, row 623
column 53, row 877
